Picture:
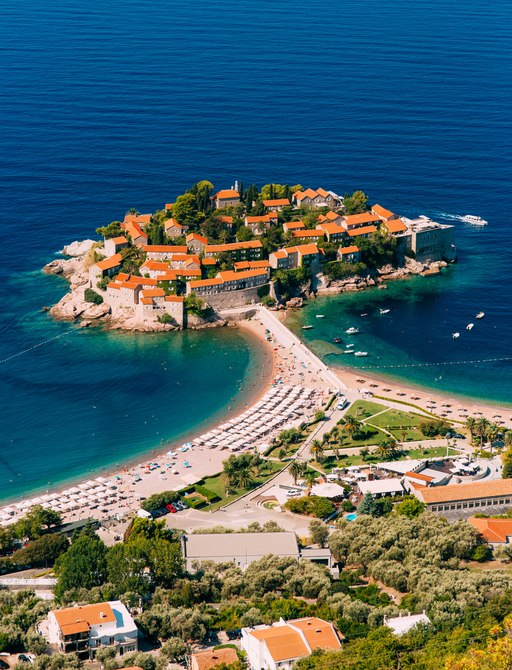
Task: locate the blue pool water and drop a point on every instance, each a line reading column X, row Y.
column 119, row 104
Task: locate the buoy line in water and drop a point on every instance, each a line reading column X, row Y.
column 426, row 365
column 36, row 346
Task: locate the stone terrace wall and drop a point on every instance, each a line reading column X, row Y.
column 229, row 299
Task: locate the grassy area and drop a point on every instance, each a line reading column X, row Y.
column 362, row 409
column 344, row 461
column 402, row 425
column 218, row 484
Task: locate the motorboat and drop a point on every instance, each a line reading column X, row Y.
column 470, row 326
column 361, row 353
column 348, row 351
column 480, row 315
column 455, row 336
column 474, row 220
column 337, row 340
column 385, row 311
column 352, row 331
column 307, row 327
column 320, row 316
column 349, row 346
column 365, row 314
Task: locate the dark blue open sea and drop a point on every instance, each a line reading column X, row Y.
column 111, row 105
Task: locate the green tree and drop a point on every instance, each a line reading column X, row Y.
column 318, row 451
column 185, row 208
column 91, row 296
column 83, row 565
column 41, row 552
column 357, row 203
column 311, row 478
column 410, row 507
column 31, row 525
column 318, row 533
column 367, row 505
column 297, row 469
column 112, row 230
column 351, row 426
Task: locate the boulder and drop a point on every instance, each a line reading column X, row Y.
column 78, row 248
column 95, row 311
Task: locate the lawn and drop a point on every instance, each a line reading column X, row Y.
column 362, row 409
column 218, row 483
column 402, row 425
column 344, row 461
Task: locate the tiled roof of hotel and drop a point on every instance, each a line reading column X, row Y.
column 121, row 239
column 278, row 202
column 201, row 283
column 348, row 250
column 134, row 230
column 265, row 218
column 303, row 249
column 172, row 223
column 294, row 225
column 227, row 194
column 456, row 492
column 208, row 261
column 229, row 275
column 319, row 634
column 308, row 193
column 357, row 219
column 109, row 263
column 282, row 642
column 419, row 476
column 362, row 231
column 198, row 238
column 298, row 234
column 226, row 219
column 382, row 212
column 211, row 658
column 174, row 298
column 233, row 246
column 331, row 228
column 154, row 265
column 251, row 265
column 138, row 218
column 493, row 530
column 165, row 249
column 395, row 226
column 153, row 293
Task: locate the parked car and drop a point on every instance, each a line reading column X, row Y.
column 171, row 508
column 161, row 511
column 3, row 665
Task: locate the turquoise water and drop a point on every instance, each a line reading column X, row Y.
column 413, row 342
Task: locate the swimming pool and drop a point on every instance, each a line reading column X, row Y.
column 351, row 517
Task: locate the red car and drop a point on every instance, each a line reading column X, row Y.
column 171, row 508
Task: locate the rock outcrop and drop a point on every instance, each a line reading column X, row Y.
column 78, row 248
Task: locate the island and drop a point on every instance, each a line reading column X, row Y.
column 199, row 259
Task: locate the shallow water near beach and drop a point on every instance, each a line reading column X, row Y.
column 107, row 106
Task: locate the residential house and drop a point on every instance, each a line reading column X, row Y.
column 140, row 219
column 284, row 643
column 493, row 531
column 333, row 231
column 259, row 224
column 291, row 226
column 363, row 220
column 349, row 254
column 123, row 293
column 228, row 220
column 461, row 497
column 211, row 658
column 187, row 261
column 239, row 251
column 295, row 257
column 365, row 231
column 383, row 213
column 114, row 245
column 84, row 629
column 318, row 198
column 276, row 204
column 226, row 198
column 309, row 235
column 133, row 229
column 104, row 268
column 404, row 623
column 196, row 243
column 163, row 252
column 331, row 217
column 240, row 266
column 173, row 228
column 154, row 269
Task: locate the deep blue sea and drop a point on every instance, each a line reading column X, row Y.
column 119, row 104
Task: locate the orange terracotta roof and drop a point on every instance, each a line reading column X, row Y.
column 226, row 219
column 300, row 195
column 265, row 218
column 122, row 276
column 456, row 492
column 174, row 298
column 418, row 475
column 280, row 254
column 319, row 634
column 168, row 205
column 294, row 225
column 188, row 273
column 208, row 261
column 142, row 281
column 233, row 246
column 298, row 234
column 229, row 275
column 211, row 658
column 332, row 216
column 155, row 265
column 227, row 194
column 493, row 530
column 138, row 218
column 322, row 192
column 278, row 202
column 114, row 285
column 153, row 293
column 382, row 212
column 357, row 219
column 362, row 231
column 201, row 283
column 251, row 265
column 109, row 263
column 348, row 250
column 283, row 643
column 165, row 248
column 170, row 275
column 303, row 249
column 121, row 239
column 91, row 614
column 172, row 223
column 395, row 226
column 331, row 228
column 134, row 230
column 74, row 628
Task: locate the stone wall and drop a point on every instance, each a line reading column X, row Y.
column 229, row 299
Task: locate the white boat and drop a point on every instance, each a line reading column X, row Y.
column 365, row 314
column 352, row 331
column 307, row 327
column 349, row 345
column 320, row 316
column 474, row 220
column 361, row 353
column 385, row 311
column 470, row 326
column 348, row 351
column 480, row 315
column 455, row 336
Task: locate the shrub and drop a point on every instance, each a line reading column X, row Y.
column 167, row 318
column 311, row 506
column 482, row 553
column 159, row 500
column 92, row 296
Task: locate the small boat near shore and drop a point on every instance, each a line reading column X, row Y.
column 320, row 316
column 352, row 331
column 455, row 336
column 337, row 340
column 480, row 315
column 307, row 327
column 348, row 351
column 474, row 220
column 385, row 311
column 470, row 326
column 361, row 353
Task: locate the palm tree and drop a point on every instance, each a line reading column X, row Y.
column 317, row 449
column 297, row 469
column 481, row 429
column 244, row 478
column 364, row 453
column 493, row 432
column 471, row 426
column 352, row 426
column 310, row 478
column 386, row 448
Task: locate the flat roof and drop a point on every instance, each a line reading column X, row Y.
column 376, row 486
column 219, row 546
